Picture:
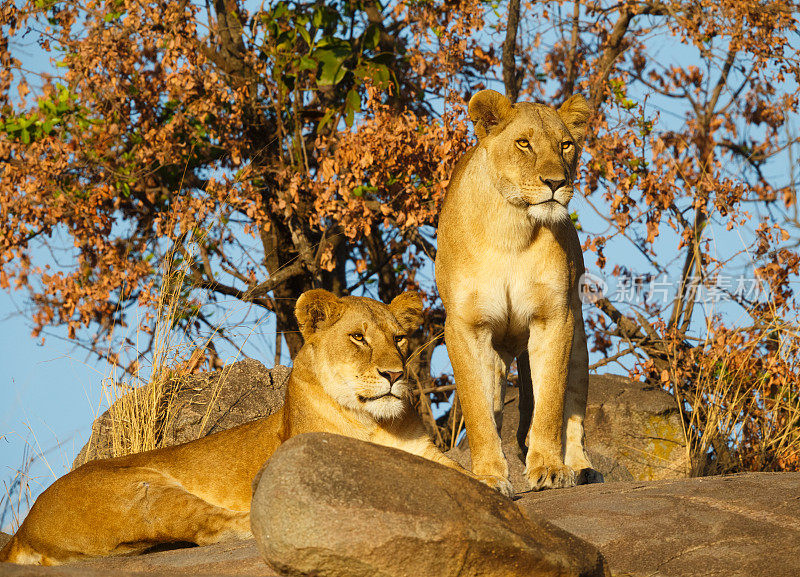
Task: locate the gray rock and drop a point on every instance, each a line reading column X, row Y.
column 633, row 432
column 327, row 505
column 635, row 427
column 202, row 404
column 4, row 538
column 234, row 557
column 744, row 525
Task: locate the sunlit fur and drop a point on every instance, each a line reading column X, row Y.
column 364, row 345
column 507, row 270
column 357, row 390
column 519, row 174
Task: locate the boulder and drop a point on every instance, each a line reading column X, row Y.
column 636, row 426
column 203, row 403
column 4, row 538
column 745, row 525
column 328, row 506
column 633, row 432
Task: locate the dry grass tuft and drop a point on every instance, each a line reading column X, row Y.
column 139, row 414
column 742, row 413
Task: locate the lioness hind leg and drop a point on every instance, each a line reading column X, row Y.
column 525, row 402
column 175, row 514
column 101, row 509
column 575, row 410
column 17, row 552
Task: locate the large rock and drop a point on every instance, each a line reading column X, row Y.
column 202, row 404
column 744, row 525
column 332, row 506
column 636, row 429
column 633, row 432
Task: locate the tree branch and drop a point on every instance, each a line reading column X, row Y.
column 511, row 78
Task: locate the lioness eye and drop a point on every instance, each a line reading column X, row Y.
column 357, row 337
column 522, row 143
column 565, row 146
column 399, row 338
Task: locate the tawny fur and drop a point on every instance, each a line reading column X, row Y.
column 507, row 269
column 200, row 492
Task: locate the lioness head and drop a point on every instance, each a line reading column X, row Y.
column 360, row 346
column 533, row 150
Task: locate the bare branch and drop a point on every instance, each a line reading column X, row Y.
column 511, row 78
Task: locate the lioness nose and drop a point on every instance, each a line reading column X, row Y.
column 553, row 183
column 391, row 376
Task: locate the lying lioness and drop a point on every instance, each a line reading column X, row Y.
column 348, row 378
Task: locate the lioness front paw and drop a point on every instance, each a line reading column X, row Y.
column 550, row 477
column 499, row 484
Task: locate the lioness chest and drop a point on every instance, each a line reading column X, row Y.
column 506, row 291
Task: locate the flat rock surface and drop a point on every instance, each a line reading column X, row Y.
column 230, row 558
column 744, row 525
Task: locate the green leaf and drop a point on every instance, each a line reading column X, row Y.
column 353, row 101
column 371, row 37
column 333, row 69
column 379, row 74
column 317, row 17
column 308, row 63
column 306, row 36
column 326, row 118
column 48, row 125
column 361, row 189
column 280, row 11
column 285, row 40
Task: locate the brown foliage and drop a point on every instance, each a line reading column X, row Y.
column 308, row 144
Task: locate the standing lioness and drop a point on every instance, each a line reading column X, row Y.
column 507, row 269
column 349, row 378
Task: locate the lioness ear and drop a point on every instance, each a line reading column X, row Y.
column 407, row 309
column 315, row 309
column 575, row 114
column 487, row 109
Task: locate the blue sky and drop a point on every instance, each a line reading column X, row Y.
column 48, row 395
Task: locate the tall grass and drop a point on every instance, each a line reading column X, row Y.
column 17, row 497
column 140, row 412
column 742, row 410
